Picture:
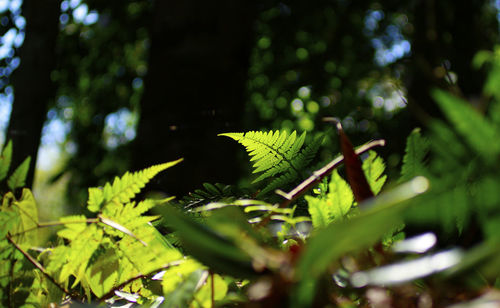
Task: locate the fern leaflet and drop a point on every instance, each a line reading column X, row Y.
column 277, row 153
column 125, row 188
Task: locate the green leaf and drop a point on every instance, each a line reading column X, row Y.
column 28, row 212
column 209, row 247
column 125, row 188
column 417, row 148
column 18, row 178
column 374, row 168
column 477, row 131
column 185, row 291
column 335, row 205
column 5, row 160
column 382, row 214
column 277, row 155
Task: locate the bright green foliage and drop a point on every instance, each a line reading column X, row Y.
column 374, row 167
column 19, row 218
column 339, row 200
column 417, row 148
column 277, row 154
column 125, row 188
column 100, row 253
column 335, row 205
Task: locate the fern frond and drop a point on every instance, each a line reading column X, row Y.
column 374, row 167
column 272, row 151
column 277, row 153
column 415, row 152
column 125, row 188
column 335, row 205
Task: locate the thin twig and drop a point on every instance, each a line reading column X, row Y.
column 38, row 266
column 140, row 276
column 318, row 175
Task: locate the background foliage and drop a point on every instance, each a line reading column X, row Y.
column 91, row 89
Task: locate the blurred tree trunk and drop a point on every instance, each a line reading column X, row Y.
column 33, row 88
column 194, row 90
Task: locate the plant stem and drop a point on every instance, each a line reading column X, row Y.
column 38, row 266
column 318, row 175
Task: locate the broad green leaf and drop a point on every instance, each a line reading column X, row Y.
column 18, row 177
column 27, row 210
column 8, row 220
column 5, row 160
column 477, row 131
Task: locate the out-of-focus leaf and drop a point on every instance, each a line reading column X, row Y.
column 476, row 129
column 183, row 295
column 406, row 271
column 382, row 215
column 213, row 249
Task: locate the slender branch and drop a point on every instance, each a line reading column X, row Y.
column 38, row 266
column 318, row 175
column 140, row 276
column 212, row 290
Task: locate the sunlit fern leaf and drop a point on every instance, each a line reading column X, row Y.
column 374, row 167
column 125, row 188
column 18, row 177
column 277, row 153
column 5, row 160
column 74, row 258
column 417, row 148
column 334, row 205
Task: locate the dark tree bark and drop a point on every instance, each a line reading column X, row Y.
column 447, row 35
column 194, row 90
column 33, row 88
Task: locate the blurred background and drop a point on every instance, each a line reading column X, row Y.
column 93, row 88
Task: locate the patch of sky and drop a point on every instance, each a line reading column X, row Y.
column 81, row 14
column 120, row 127
column 5, row 110
column 15, row 6
column 4, row 5
column 390, row 45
